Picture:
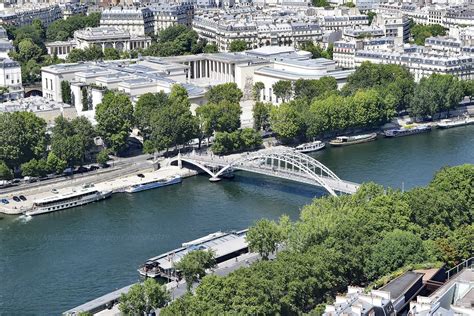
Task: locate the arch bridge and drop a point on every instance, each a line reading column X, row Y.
column 280, row 162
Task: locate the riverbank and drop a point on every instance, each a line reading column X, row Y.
column 103, row 182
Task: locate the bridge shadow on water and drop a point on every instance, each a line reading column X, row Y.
column 275, row 184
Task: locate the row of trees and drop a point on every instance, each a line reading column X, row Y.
column 348, row 240
column 24, row 142
column 165, row 120
column 373, row 95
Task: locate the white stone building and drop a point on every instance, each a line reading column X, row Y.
column 255, row 27
column 10, row 78
column 195, row 72
column 103, row 37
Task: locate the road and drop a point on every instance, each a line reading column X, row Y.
column 118, row 166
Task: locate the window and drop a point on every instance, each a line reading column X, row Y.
column 8, row 76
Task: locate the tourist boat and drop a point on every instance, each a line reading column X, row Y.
column 60, row 201
column 152, row 184
column 449, row 123
column 405, row 131
column 351, row 140
column 310, row 147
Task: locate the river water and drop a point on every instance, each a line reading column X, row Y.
column 54, row 262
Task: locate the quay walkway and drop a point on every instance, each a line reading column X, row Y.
column 281, row 162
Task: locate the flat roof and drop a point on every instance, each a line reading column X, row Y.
column 397, row 287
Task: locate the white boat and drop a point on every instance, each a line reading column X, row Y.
column 351, row 140
column 60, row 201
column 152, row 184
column 406, row 131
column 449, row 123
column 310, row 147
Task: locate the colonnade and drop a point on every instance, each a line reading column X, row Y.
column 212, row 69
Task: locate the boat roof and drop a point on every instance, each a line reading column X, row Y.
column 221, row 245
column 60, row 196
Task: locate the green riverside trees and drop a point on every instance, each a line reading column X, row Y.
column 341, row 241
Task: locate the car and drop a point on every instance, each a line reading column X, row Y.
column 16, row 199
column 16, row 180
column 93, row 167
column 140, row 175
column 68, row 171
column 81, row 169
column 22, row 197
column 4, row 201
column 54, row 191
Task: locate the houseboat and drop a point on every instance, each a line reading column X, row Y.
column 406, row 131
column 153, row 184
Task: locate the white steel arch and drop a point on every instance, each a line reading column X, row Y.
column 278, row 161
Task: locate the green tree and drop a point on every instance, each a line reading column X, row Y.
column 468, row 86
column 257, row 90
column 261, row 115
column 310, row 89
column 371, row 15
column 286, row 121
column 283, row 89
column 264, row 237
column 66, row 91
column 111, row 53
column 5, row 172
column 194, row 264
column 320, row 3
column 421, row 32
column 76, row 55
column 27, row 50
column 22, row 137
column 85, row 99
column 34, row 168
column 148, row 104
column 436, row 93
column 54, row 164
column 210, row 49
column 143, row 298
column 102, row 157
column 114, row 120
column 173, row 124
column 224, row 92
column 238, row 46
column 397, row 249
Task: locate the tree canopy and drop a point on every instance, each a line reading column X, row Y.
column 224, row 92
column 341, row 241
column 22, row 137
column 143, row 298
column 194, row 264
column 238, row 46
column 115, row 120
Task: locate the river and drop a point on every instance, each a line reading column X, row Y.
column 54, row 262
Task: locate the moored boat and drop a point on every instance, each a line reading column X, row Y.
column 152, row 184
column 352, row 140
column 310, row 147
column 60, row 201
column 450, row 123
column 406, row 131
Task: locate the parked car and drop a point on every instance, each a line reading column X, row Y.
column 30, row 179
column 16, row 199
column 81, row 169
column 93, row 167
column 22, row 197
column 4, row 201
column 68, row 171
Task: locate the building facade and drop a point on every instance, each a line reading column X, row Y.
column 25, row 15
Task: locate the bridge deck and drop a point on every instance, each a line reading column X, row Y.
column 302, row 177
